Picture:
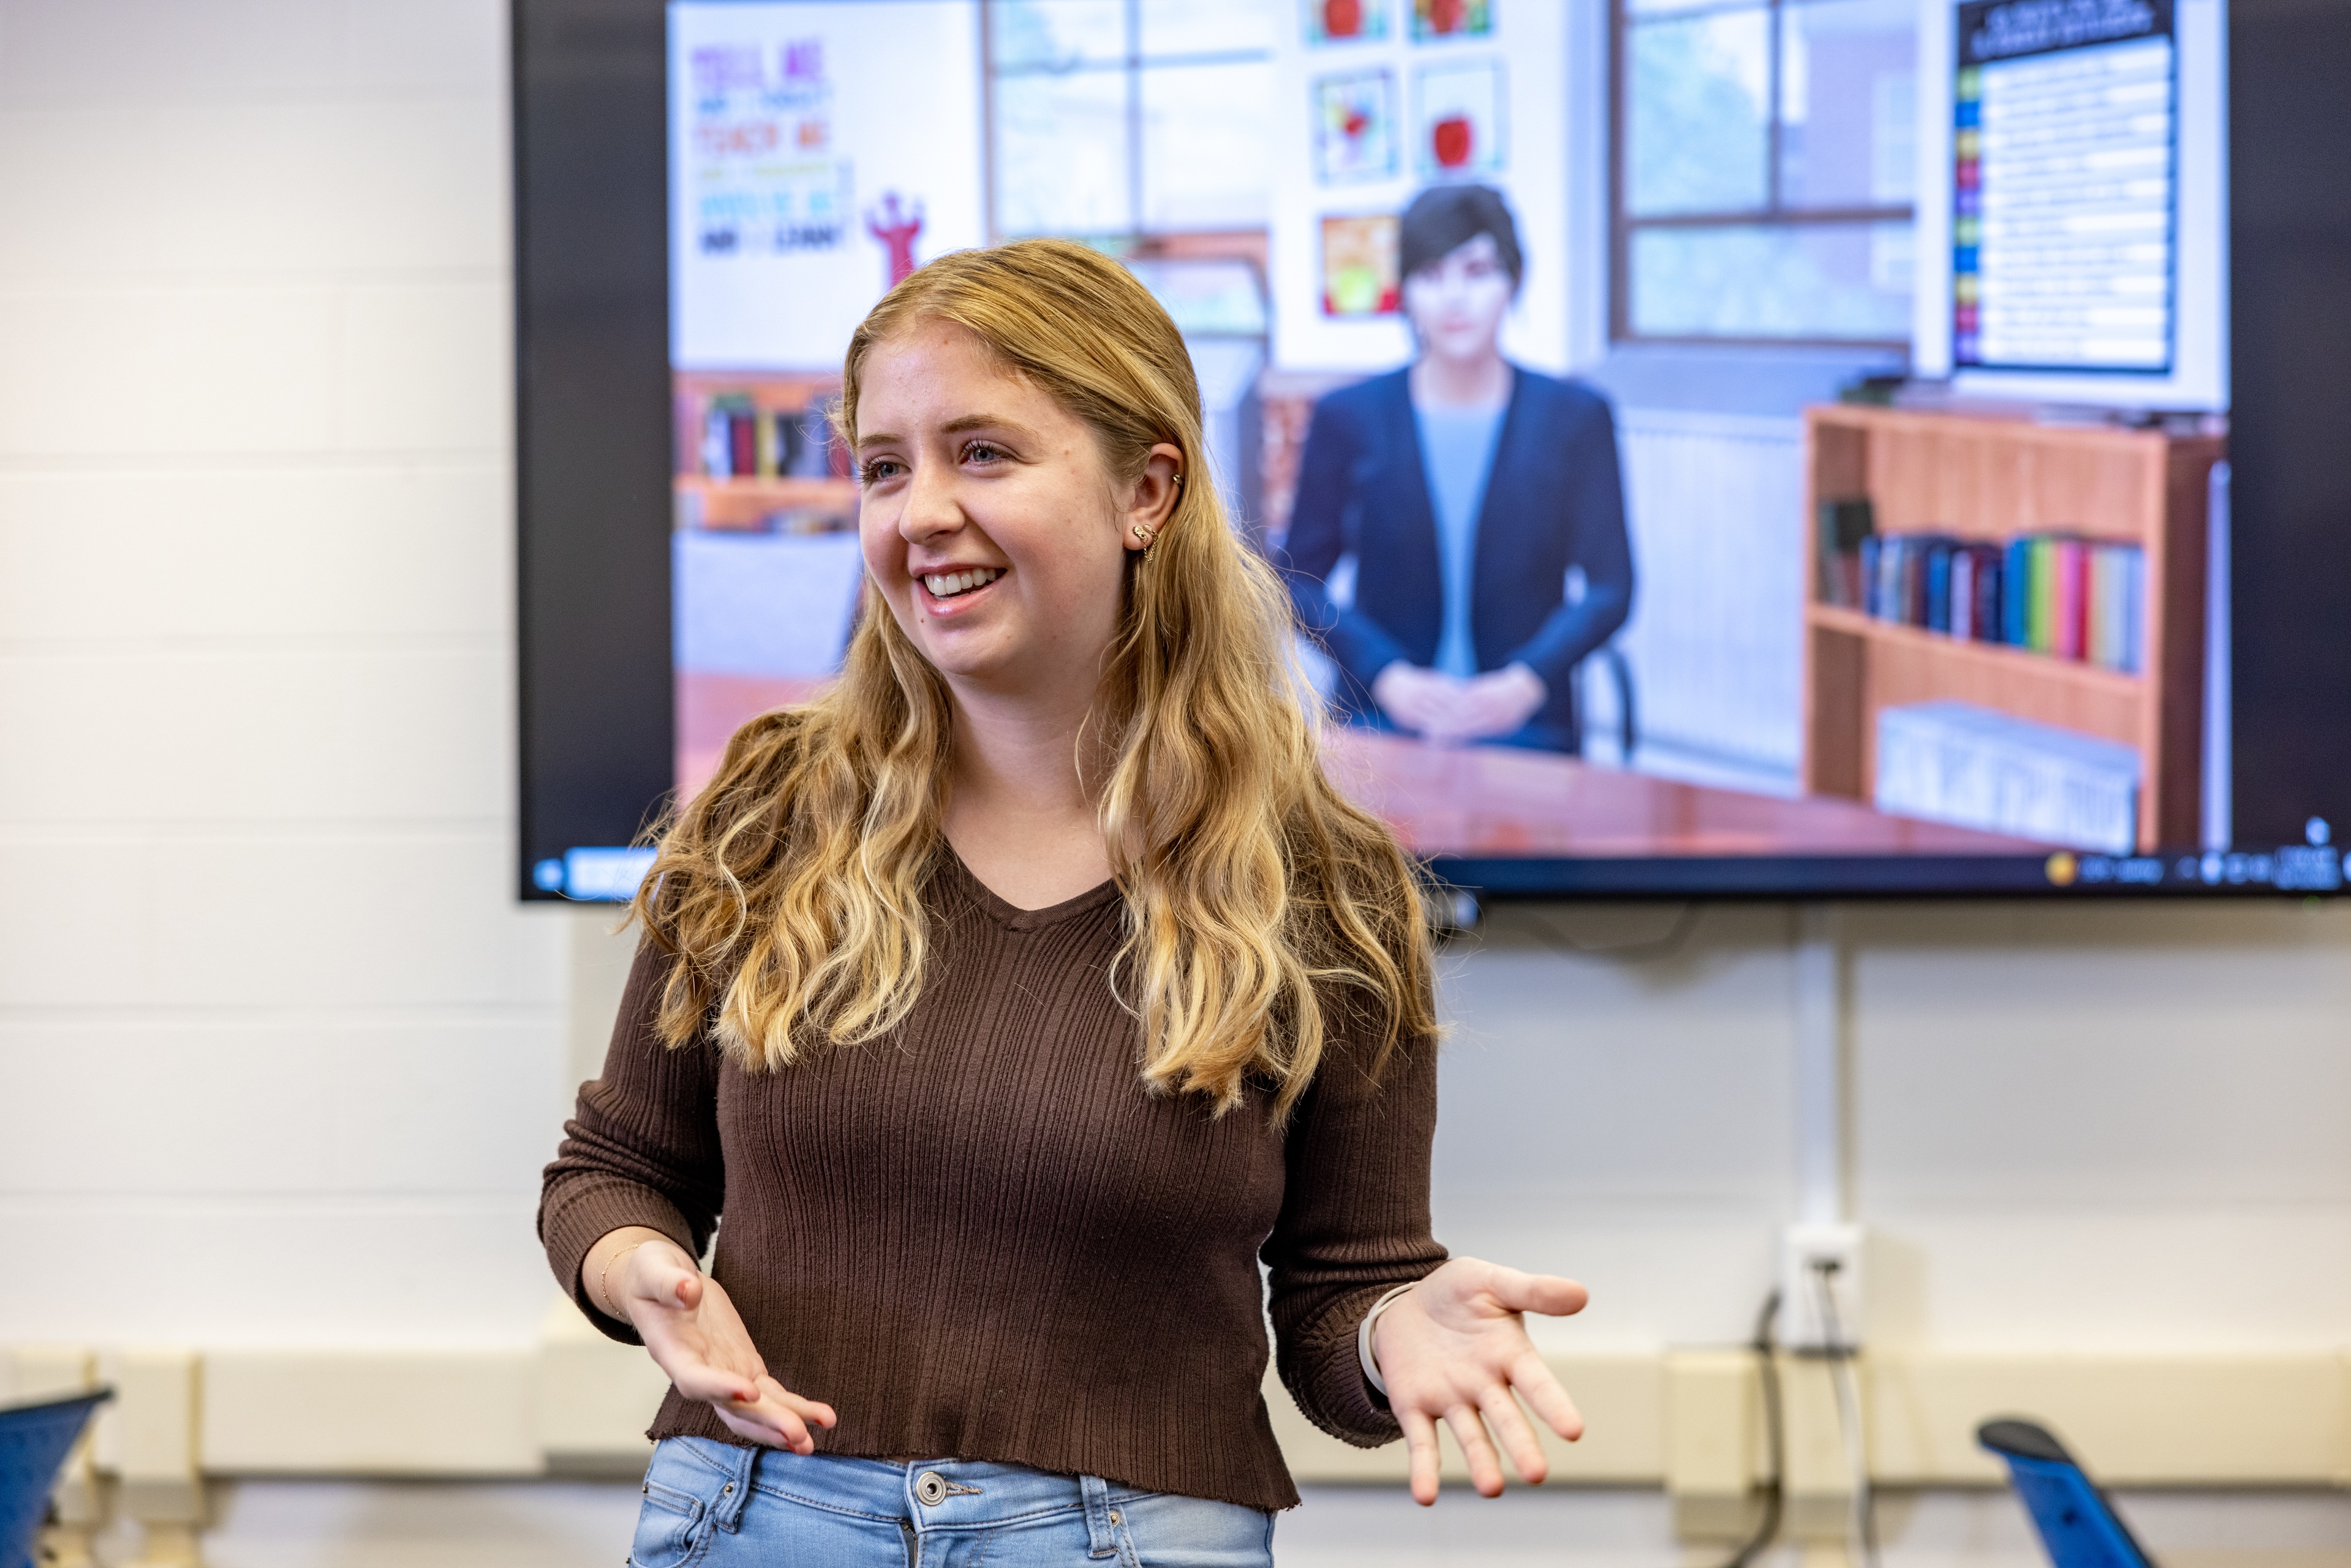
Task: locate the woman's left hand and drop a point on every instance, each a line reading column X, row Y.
column 1455, row 1348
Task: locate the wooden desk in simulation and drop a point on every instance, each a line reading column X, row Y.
column 1479, row 800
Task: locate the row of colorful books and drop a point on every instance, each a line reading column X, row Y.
column 739, row 440
column 2052, row 593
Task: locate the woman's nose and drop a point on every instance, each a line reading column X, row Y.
column 930, row 510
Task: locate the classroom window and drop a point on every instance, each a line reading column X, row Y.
column 1117, row 118
column 1763, row 170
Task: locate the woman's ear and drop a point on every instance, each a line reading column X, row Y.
column 1151, row 500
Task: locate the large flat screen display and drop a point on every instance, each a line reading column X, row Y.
column 1852, row 649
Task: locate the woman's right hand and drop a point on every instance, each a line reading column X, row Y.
column 695, row 1336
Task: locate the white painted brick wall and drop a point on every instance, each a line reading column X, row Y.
column 276, row 1050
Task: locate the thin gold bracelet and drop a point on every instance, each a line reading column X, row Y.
column 604, row 1275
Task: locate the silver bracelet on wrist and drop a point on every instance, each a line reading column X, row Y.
column 1363, row 1352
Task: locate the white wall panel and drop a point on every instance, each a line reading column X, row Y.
column 1712, row 501
column 116, row 560
column 196, row 915
column 318, row 736
column 86, row 53
column 2109, row 1129
column 428, row 366
column 407, row 1104
column 276, row 1273
column 284, row 188
column 132, row 374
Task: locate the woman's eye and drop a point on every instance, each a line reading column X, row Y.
column 879, row 469
column 982, row 451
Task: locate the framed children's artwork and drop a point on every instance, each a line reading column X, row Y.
column 1360, row 274
column 1354, row 127
column 1451, row 18
column 1461, row 127
column 1346, row 21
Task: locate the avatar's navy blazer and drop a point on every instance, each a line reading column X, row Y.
column 1554, row 500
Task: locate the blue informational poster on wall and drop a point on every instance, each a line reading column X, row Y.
column 2063, row 188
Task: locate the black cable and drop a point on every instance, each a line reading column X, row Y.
column 1775, row 1436
column 1675, row 939
column 1849, row 1420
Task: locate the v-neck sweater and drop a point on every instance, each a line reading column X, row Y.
column 982, row 1236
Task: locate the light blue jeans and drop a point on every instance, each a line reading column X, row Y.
column 715, row 1505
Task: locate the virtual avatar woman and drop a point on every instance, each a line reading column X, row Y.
column 1011, row 1001
column 1466, row 488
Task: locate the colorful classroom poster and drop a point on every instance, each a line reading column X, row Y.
column 1360, row 274
column 796, row 201
column 1461, row 119
column 1451, row 18
column 1345, row 21
column 1354, row 127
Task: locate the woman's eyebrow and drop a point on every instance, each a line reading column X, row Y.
column 953, row 426
column 956, row 426
column 985, row 422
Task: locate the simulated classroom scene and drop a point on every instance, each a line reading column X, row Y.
column 1850, row 622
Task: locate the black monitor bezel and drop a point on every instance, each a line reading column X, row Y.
column 592, row 474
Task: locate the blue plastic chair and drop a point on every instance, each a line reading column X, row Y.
column 34, row 1442
column 2079, row 1527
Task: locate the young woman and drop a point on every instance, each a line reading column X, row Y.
column 1014, row 998
column 1466, row 488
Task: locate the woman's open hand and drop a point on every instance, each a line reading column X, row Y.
column 695, row 1336
column 1455, row 1348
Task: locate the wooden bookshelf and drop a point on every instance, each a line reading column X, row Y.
column 736, row 504
column 748, row 503
column 1993, row 480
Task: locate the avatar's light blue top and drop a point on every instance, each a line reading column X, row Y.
column 1457, row 452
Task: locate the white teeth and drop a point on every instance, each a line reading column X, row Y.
column 946, row 585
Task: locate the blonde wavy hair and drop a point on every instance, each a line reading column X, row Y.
column 1261, row 907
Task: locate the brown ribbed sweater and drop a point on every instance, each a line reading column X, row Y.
column 980, row 1238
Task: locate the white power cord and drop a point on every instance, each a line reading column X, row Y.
column 1861, row 1523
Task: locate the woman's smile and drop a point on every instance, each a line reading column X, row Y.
column 954, row 589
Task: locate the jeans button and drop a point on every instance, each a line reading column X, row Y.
column 930, row 1488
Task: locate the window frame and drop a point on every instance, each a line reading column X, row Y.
column 1137, row 237
column 1773, row 213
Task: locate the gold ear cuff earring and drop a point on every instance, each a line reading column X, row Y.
column 1143, row 534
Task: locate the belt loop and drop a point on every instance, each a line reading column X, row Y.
column 736, row 1492
column 1100, row 1542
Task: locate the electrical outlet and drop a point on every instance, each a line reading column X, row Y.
column 1818, row 1261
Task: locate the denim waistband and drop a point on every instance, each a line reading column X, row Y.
column 931, row 1494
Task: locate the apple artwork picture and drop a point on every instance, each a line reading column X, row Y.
column 1452, row 141
column 1464, row 115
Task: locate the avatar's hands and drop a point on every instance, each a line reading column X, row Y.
column 1415, row 700
column 1495, row 704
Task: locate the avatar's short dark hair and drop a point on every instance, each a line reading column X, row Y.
column 1444, row 218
